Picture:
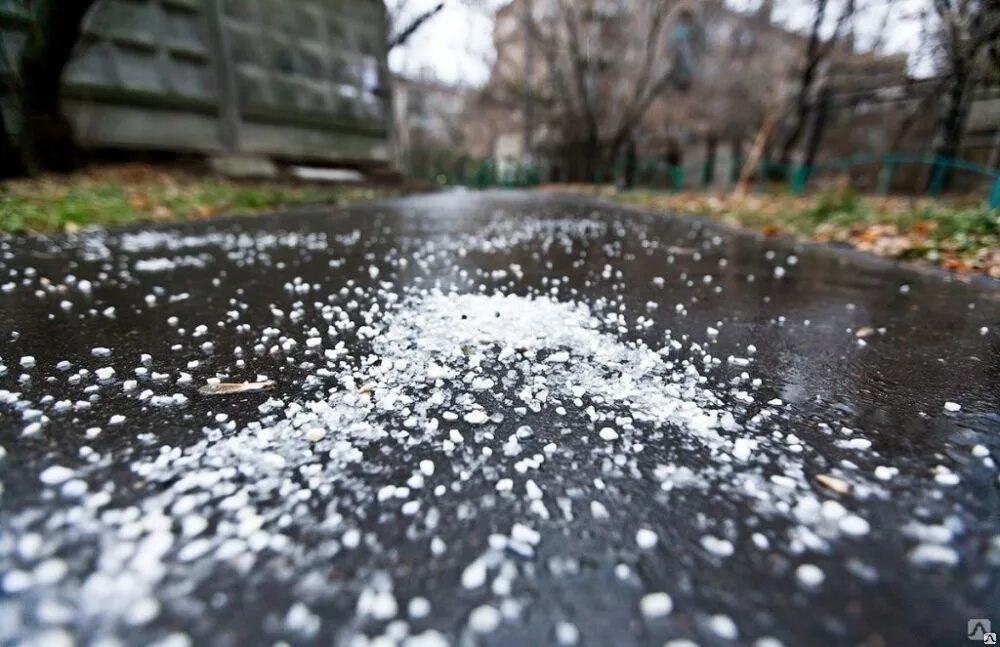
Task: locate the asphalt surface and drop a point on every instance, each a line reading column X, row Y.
column 497, row 418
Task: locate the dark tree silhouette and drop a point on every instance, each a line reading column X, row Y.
column 45, row 141
column 817, row 52
column 968, row 37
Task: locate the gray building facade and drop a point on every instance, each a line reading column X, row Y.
column 302, row 80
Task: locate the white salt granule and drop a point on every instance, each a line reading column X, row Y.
column 646, row 538
column 656, row 605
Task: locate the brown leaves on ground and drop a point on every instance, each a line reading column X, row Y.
column 884, row 240
column 898, row 227
column 118, row 194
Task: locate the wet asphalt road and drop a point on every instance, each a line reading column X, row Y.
column 666, row 431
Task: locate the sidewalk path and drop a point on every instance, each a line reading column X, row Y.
column 497, row 418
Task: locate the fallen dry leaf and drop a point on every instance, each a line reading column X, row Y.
column 956, row 265
column 834, row 484
column 228, row 388
column 864, row 331
column 161, row 212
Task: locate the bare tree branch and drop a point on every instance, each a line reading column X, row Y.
column 414, row 25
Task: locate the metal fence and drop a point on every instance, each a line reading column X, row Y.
column 660, row 175
column 303, row 79
column 447, row 170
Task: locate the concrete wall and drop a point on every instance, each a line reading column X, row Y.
column 302, row 79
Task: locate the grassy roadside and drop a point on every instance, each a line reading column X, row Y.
column 963, row 237
column 130, row 193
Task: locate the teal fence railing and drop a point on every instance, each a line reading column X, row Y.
column 940, row 169
column 660, row 175
column 652, row 174
column 480, row 174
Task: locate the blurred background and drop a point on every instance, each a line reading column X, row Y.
column 713, row 97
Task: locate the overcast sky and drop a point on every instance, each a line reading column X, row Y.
column 456, row 46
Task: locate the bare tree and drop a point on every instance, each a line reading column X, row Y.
column 967, row 38
column 46, row 138
column 918, row 98
column 742, row 88
column 818, row 49
column 603, row 63
column 402, row 25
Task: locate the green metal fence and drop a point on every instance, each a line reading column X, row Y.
column 654, row 174
column 940, row 168
column 445, row 170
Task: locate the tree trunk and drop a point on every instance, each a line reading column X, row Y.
column 953, row 120
column 994, row 161
column 46, row 140
column 800, row 115
column 591, row 156
column 757, row 151
column 10, row 158
column 951, row 126
column 708, row 170
column 736, row 152
column 812, row 56
column 631, row 164
column 818, row 128
column 922, row 105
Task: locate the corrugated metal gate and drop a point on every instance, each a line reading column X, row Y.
column 296, row 79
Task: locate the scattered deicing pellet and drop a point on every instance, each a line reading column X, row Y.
column 315, row 434
column 484, row 619
column 598, row 511
column 656, row 605
column 853, row 525
column 885, row 472
column 717, row 546
column 742, row 448
column 723, row 627
column 56, row 474
column 244, row 492
column 646, row 538
column 607, row 433
column 566, row 633
column 476, row 417
column 934, row 554
column 525, row 535
column 418, row 607
column 809, row 575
